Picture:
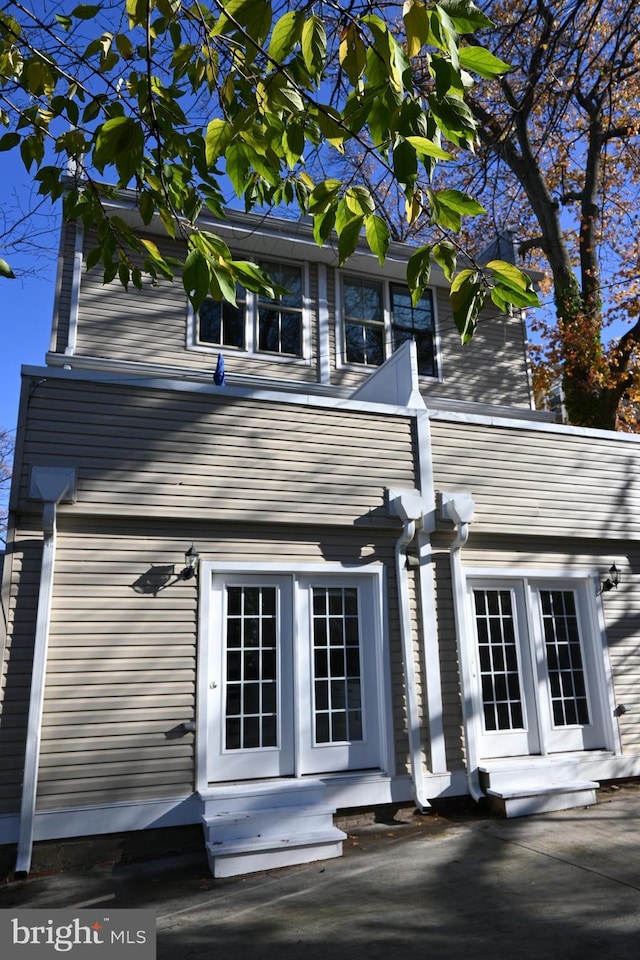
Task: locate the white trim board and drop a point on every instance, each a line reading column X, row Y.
column 439, row 411
column 138, row 379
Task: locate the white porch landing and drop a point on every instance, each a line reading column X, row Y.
column 251, row 827
column 517, row 789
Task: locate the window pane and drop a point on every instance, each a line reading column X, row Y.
column 336, row 670
column 564, row 657
column 414, row 323
column 251, row 716
column 280, row 318
column 363, row 321
column 222, row 324
column 499, row 676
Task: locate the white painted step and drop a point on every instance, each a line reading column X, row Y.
column 522, row 800
column 259, row 827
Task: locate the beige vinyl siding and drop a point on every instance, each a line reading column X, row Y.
column 211, row 456
column 15, row 679
column 122, row 652
column 492, row 368
column 448, row 650
column 620, row 607
column 151, row 326
column 533, row 482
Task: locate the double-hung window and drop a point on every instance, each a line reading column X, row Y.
column 258, row 324
column 378, row 317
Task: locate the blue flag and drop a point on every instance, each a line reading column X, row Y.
column 218, row 377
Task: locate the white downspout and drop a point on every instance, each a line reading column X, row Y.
column 50, row 484
column 408, row 505
column 459, row 508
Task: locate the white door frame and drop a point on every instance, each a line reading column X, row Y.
column 595, row 643
column 208, row 698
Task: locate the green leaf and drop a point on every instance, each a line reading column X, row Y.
column 378, row 236
column 93, row 257
column 86, row 11
column 323, row 224
column 418, row 272
column 196, row 277
column 416, row 24
column 427, row 148
column 483, row 62
column 511, row 276
column 136, row 11
column 217, row 138
column 348, row 239
column 323, row 195
column 460, row 202
column 6, row 271
column 465, row 15
column 314, row 45
column 359, row 201
column 119, row 143
column 352, row 53
column 9, row 141
column 467, row 299
column 444, row 254
column 286, row 33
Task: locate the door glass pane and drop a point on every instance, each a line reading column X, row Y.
column 499, row 677
column 336, row 664
column 251, row 693
column 564, row 658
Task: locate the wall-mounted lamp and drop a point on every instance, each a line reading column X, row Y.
column 191, row 559
column 612, row 580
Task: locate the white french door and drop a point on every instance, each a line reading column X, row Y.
column 536, row 674
column 293, row 676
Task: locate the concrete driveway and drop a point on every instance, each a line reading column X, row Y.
column 563, row 885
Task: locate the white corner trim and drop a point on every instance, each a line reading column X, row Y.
column 74, row 307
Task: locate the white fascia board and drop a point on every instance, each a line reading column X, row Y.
column 525, row 421
column 266, row 235
column 136, row 379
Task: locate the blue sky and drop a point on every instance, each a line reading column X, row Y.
column 26, row 304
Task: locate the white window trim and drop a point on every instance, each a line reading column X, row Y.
column 374, row 572
column 590, row 597
column 387, row 282
column 251, row 329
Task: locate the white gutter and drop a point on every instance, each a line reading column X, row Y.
column 409, row 506
column 459, row 508
column 50, row 484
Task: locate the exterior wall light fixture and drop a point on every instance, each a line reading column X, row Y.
column 612, row 580
column 191, row 559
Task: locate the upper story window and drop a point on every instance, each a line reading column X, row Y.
column 258, row 324
column 280, row 320
column 379, row 316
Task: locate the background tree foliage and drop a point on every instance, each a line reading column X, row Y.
column 560, row 159
column 173, row 100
